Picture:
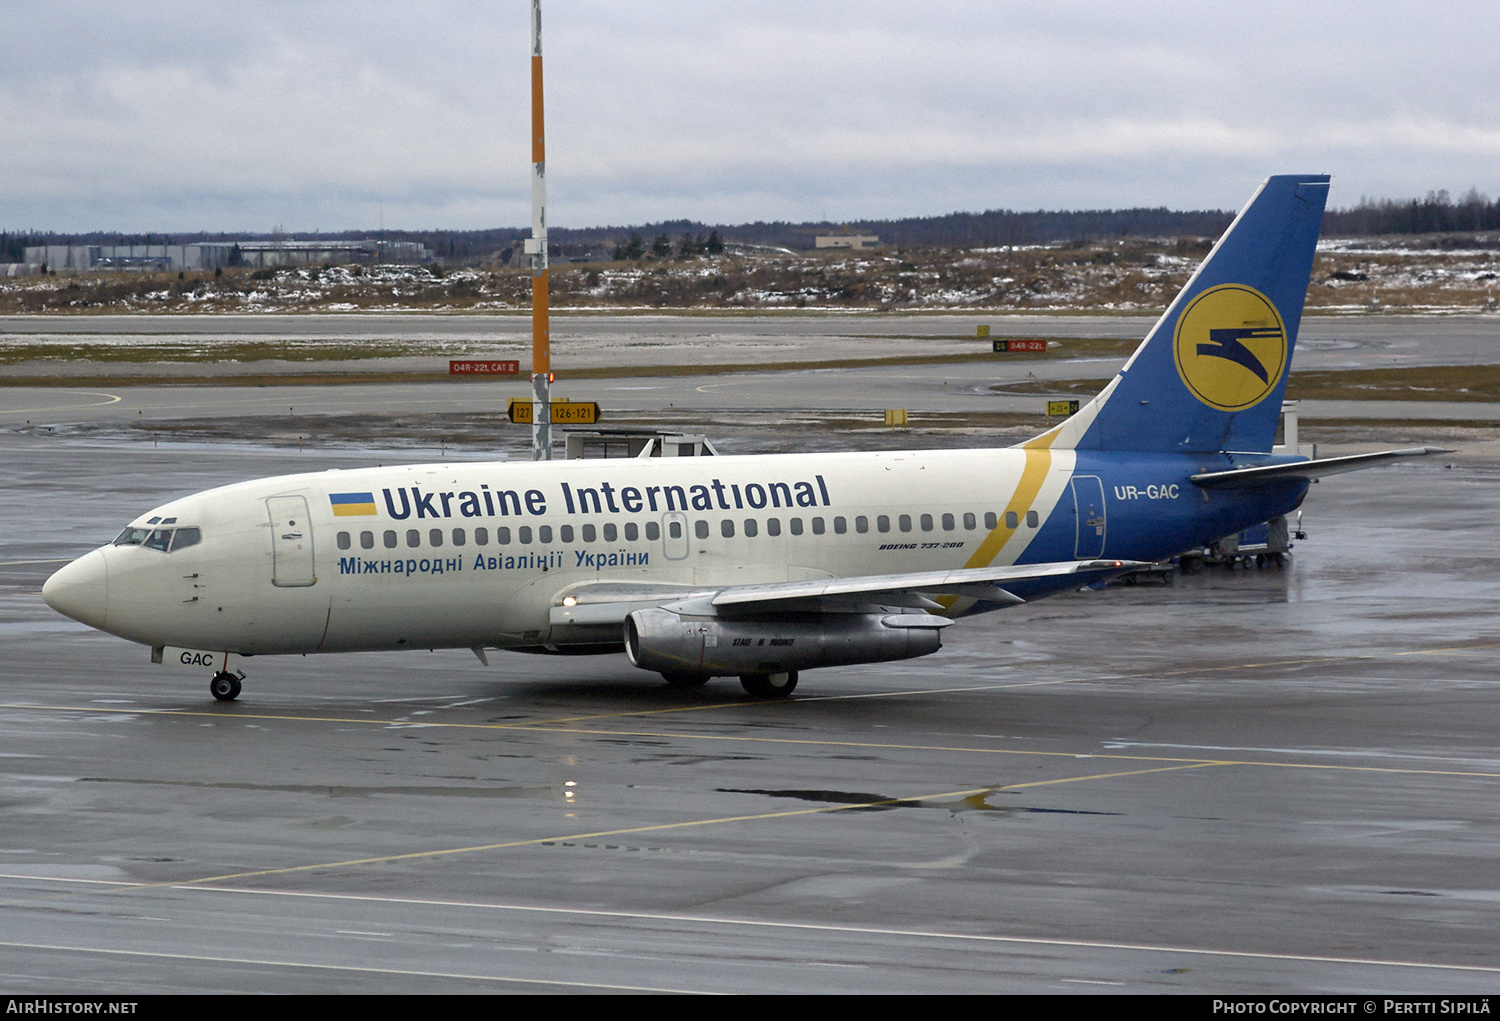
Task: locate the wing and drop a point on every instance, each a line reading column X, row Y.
column 606, row 602
column 1249, row 478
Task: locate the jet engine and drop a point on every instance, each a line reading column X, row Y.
column 676, row 643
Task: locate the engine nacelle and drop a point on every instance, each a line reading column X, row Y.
column 677, row 643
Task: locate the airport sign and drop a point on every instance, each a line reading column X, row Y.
column 563, row 412
column 482, row 367
column 1033, row 345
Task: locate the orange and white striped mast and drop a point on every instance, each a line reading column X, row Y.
column 536, row 247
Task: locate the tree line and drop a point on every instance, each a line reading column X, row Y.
column 1437, row 213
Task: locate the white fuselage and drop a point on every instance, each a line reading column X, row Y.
column 471, row 555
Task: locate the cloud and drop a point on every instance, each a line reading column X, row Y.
column 167, row 115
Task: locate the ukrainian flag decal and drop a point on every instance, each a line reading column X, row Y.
column 1231, row 347
column 349, row 505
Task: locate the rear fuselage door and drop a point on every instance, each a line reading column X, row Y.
column 291, row 542
column 1088, row 504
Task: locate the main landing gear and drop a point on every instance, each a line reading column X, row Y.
column 225, row 686
column 758, row 685
column 769, row 685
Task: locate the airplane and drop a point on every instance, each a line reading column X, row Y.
column 757, row 566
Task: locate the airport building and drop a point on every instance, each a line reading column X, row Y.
column 845, row 241
column 216, row 254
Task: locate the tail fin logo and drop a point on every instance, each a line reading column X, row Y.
column 1230, row 347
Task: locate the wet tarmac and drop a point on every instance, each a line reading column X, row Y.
column 1253, row 781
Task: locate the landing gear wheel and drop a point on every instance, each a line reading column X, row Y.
column 225, row 687
column 769, row 685
column 685, row 680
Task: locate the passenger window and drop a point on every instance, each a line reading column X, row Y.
column 796, row 524
column 1011, row 521
column 632, row 531
column 413, row 538
column 883, row 523
column 926, row 522
column 1031, row 519
column 700, row 529
column 840, row 525
column 186, row 537
column 565, row 533
column 861, row 524
column 751, row 528
column 726, row 528
column 904, row 522
column 589, row 534
column 544, row 533
column 389, row 538
column 366, row 540
column 160, row 539
column 481, row 536
column 502, row 536
column 990, row 520
column 817, row 524
column 653, row 530
column 343, row 539
column 459, row 537
column 948, row 522
column 969, row 521
column 773, row 526
column 524, row 533
column 435, row 537
column 611, row 533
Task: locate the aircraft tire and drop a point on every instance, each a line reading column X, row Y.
column 685, row 680
column 769, row 685
column 225, row 687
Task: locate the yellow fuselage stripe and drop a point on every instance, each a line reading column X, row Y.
column 1033, row 476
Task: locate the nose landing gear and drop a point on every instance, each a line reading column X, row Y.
column 225, row 686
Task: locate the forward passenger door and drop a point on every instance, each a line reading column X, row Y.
column 291, row 542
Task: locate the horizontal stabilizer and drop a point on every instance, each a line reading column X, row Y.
column 1249, row 478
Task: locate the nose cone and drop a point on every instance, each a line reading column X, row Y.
column 81, row 590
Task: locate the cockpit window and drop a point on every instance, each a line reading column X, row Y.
column 163, row 539
column 186, row 537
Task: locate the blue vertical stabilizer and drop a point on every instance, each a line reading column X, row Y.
column 1211, row 374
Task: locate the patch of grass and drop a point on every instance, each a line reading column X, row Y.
column 599, row 372
column 1126, row 276
column 1407, row 383
column 248, row 351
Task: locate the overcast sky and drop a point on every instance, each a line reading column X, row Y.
column 176, row 116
